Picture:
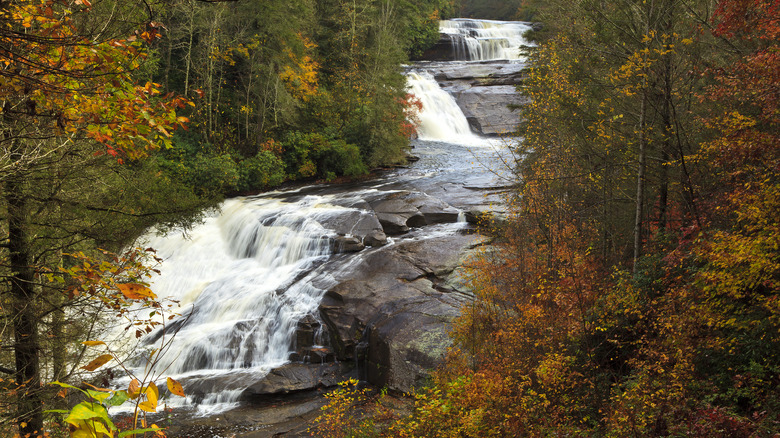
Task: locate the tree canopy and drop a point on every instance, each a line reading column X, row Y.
column 634, row 289
column 116, row 115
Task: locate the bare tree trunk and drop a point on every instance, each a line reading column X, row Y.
column 642, row 158
column 188, row 57
column 29, row 415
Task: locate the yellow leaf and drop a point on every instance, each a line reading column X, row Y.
column 148, row 406
column 93, row 343
column 97, row 363
column 152, row 394
column 135, row 291
column 175, row 387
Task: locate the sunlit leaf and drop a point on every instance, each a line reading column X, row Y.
column 135, row 291
column 93, row 343
column 133, row 432
column 175, row 388
column 152, row 393
column 98, row 395
column 98, row 362
column 148, row 406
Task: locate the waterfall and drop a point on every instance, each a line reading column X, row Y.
column 243, row 280
column 485, row 40
column 440, row 118
column 249, row 273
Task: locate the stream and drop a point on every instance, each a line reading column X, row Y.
column 323, row 279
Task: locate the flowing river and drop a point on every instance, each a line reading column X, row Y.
column 250, row 273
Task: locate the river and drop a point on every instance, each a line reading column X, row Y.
column 249, row 275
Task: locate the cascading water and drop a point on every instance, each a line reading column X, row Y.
column 440, row 118
column 248, row 274
column 485, row 40
column 243, row 282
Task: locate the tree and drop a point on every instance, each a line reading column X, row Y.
column 578, row 327
column 74, row 127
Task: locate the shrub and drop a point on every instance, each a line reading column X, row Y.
column 261, row 171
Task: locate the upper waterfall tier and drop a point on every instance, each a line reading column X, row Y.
column 485, row 40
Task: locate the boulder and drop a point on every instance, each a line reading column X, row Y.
column 360, row 222
column 397, row 215
column 344, row 244
column 396, row 302
column 298, row 377
column 490, row 110
column 402, row 210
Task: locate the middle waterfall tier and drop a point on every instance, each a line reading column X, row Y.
column 440, row 119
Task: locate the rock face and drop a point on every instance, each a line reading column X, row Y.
column 298, row 377
column 385, row 317
column 441, row 51
column 490, row 110
column 391, row 312
column 486, row 93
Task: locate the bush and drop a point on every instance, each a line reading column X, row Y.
column 212, row 174
column 313, row 154
column 261, row 171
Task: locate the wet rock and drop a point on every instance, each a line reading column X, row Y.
column 395, row 301
column 344, row 244
column 305, row 335
column 397, row 215
column 400, row 211
column 361, row 222
column 298, row 377
column 487, row 70
column 441, row 51
column 375, row 238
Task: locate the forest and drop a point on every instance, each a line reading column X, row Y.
column 633, row 291
column 122, row 114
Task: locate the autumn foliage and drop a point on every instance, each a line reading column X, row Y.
column 635, row 289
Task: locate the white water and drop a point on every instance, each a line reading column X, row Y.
column 237, row 279
column 485, row 40
column 440, row 118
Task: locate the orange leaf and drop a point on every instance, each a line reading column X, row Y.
column 175, row 388
column 97, row 363
column 134, row 389
column 135, row 291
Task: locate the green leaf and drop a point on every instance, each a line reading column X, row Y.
column 90, row 429
column 118, row 398
column 89, row 411
column 65, row 385
column 98, row 395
